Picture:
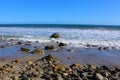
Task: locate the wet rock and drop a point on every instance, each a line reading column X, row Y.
column 48, row 58
column 88, row 45
column 99, row 48
column 19, row 43
column 62, row 44
column 103, row 48
column 49, row 47
column 25, row 49
column 69, row 50
column 2, row 46
column 37, row 51
column 55, row 35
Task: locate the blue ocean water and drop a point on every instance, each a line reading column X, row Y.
column 76, row 35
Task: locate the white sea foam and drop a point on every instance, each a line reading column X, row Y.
column 77, row 37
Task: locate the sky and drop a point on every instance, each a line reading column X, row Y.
column 103, row 12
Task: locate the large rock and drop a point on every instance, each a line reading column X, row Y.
column 37, row 51
column 55, row 35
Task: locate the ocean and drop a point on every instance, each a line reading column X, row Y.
column 76, row 35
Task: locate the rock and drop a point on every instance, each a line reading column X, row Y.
column 49, row 58
column 91, row 67
column 103, row 48
column 16, row 61
column 29, row 62
column 104, row 67
column 35, row 74
column 55, row 35
column 105, row 74
column 24, row 77
column 2, row 46
column 99, row 76
column 56, row 76
column 62, row 44
column 88, row 45
column 19, row 43
column 37, row 51
column 78, row 66
column 99, row 48
column 49, row 47
column 25, row 49
column 69, row 50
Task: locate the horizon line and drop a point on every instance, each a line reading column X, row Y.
column 5, row 24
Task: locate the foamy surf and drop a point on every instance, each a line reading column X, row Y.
column 74, row 37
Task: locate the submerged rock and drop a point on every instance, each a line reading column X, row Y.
column 19, row 43
column 55, row 35
column 2, row 46
column 25, row 49
column 49, row 47
column 103, row 48
column 62, row 44
column 37, row 51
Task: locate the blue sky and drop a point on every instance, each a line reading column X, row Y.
column 60, row 12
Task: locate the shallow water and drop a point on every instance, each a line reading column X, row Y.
column 80, row 55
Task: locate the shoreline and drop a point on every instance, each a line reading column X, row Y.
column 59, row 57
